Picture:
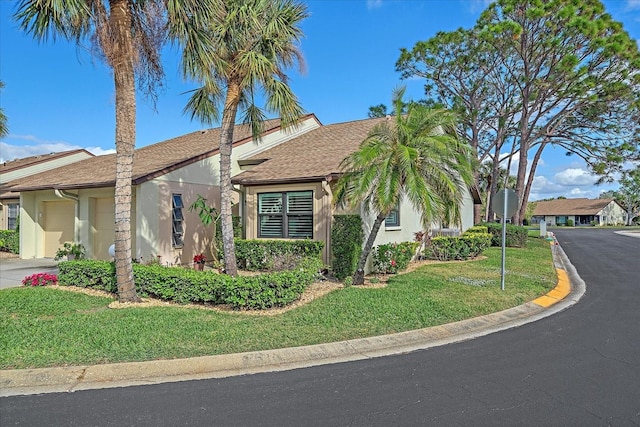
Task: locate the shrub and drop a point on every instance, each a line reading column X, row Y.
column 186, row 285
column 40, row 279
column 482, row 229
column 278, row 255
column 347, row 238
column 272, row 289
column 10, row 241
column 569, row 223
column 469, row 245
column 71, row 250
column 516, row 235
column 180, row 285
column 393, row 257
column 93, row 274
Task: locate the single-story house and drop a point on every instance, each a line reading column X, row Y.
column 283, row 186
column 287, row 191
column 579, row 212
column 19, row 168
column 75, row 203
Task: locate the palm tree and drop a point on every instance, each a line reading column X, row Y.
column 253, row 43
column 128, row 35
column 4, row 129
column 415, row 156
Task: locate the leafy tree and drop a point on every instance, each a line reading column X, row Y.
column 4, row 129
column 415, row 156
column 628, row 195
column 379, row 110
column 253, row 43
column 127, row 35
column 535, row 74
column 577, row 74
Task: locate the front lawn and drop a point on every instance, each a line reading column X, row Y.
column 44, row 327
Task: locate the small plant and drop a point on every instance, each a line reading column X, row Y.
column 393, row 257
column 40, row 279
column 71, row 251
column 199, row 259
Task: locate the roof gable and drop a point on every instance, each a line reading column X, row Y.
column 313, row 156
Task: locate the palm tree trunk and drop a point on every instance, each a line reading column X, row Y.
column 226, row 145
column 124, row 78
column 358, row 276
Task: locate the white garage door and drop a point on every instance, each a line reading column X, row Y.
column 59, row 220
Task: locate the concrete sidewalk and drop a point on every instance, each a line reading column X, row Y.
column 13, row 270
column 69, row 379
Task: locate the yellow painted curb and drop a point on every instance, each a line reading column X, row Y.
column 561, row 290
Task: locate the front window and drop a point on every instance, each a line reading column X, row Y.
column 393, row 219
column 177, row 220
column 13, row 210
column 285, row 215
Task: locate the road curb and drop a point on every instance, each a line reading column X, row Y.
column 75, row 378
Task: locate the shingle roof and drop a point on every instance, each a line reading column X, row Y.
column 41, row 158
column 310, row 157
column 570, row 206
column 149, row 162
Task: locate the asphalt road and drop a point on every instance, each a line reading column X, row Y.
column 580, row 367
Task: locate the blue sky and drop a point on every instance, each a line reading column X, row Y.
column 56, row 97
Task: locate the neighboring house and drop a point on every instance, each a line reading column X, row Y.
column 579, row 212
column 76, row 202
column 13, row 170
column 286, row 191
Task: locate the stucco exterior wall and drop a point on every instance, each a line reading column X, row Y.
column 612, row 214
column 154, row 222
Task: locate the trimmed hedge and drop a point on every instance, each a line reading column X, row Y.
column 278, row 255
column 516, row 235
column 10, row 241
column 469, row 245
column 185, row 285
column 92, row 274
column 482, row 229
column 393, row 257
column 347, row 238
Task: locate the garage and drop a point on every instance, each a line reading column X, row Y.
column 58, row 225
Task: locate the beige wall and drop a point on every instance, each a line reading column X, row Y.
column 612, row 214
column 155, row 222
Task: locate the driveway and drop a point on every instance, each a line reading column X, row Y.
column 13, row 270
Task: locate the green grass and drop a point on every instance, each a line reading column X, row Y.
column 44, row 327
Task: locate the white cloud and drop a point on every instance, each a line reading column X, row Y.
column 374, row 4
column 633, row 5
column 542, row 185
column 578, row 192
column 574, row 177
column 39, row 146
column 476, row 6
